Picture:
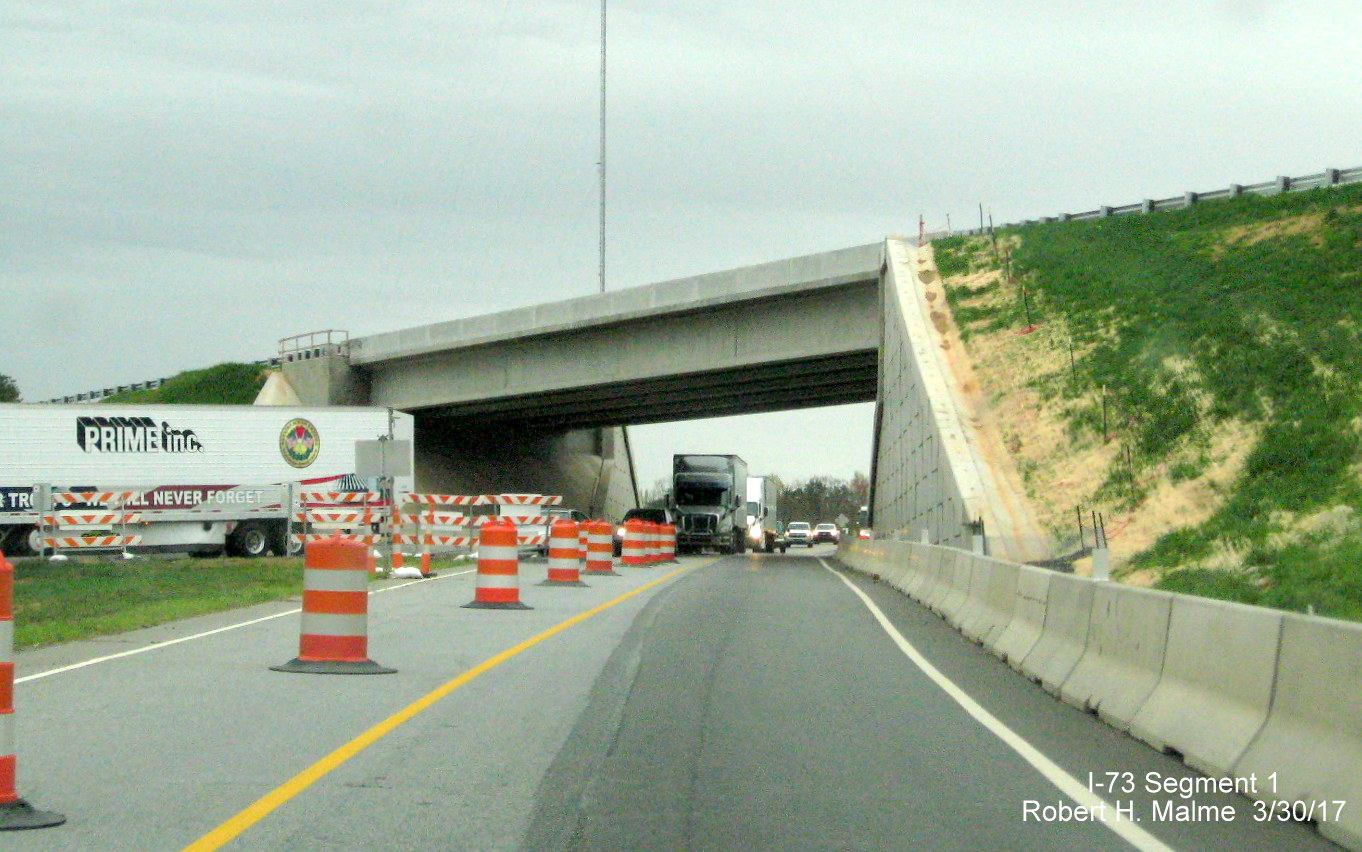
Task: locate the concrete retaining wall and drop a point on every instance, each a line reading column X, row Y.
column 924, row 476
column 1237, row 690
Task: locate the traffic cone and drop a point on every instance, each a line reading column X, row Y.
column 564, row 555
column 600, row 546
column 334, row 638
column 15, row 813
column 669, row 542
column 498, row 568
column 634, row 548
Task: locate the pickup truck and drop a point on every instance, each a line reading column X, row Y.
column 799, row 532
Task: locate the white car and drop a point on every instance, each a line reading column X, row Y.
column 826, row 532
column 799, row 532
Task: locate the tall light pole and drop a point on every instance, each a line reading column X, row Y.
column 602, row 160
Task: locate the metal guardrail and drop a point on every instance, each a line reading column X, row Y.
column 299, row 347
column 1322, row 180
column 314, row 344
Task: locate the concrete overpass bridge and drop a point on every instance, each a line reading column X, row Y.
column 540, row 397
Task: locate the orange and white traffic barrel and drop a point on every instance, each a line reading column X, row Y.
column 600, row 549
column 335, row 625
column 654, row 542
column 669, row 542
column 634, row 548
column 15, row 813
column 565, row 555
column 647, row 542
column 498, row 568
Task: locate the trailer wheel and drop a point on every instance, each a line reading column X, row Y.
column 21, row 541
column 250, row 539
column 281, row 544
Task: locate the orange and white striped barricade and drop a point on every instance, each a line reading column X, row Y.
column 634, row 548
column 533, row 529
column 352, row 515
column 564, row 555
column 669, row 542
column 15, row 813
column 334, row 637
column 90, row 520
column 435, row 524
column 498, row 568
column 600, row 549
column 523, row 499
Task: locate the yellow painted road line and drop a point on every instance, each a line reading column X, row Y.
column 262, row 808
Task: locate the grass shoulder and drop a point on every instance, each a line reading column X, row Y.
column 96, row 596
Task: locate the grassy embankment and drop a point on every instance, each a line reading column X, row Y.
column 95, row 596
column 1225, row 341
column 223, row 384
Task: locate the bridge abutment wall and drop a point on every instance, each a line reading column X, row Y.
column 938, row 468
column 923, row 476
column 591, row 468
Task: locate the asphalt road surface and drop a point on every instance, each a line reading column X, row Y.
column 748, row 703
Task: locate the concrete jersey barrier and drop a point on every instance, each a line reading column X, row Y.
column 932, row 588
column 955, row 578
column 1219, row 665
column 1028, row 618
column 992, row 600
column 1311, row 746
column 1068, row 610
column 1237, row 690
column 1123, row 659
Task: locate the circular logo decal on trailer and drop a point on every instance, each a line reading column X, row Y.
column 299, row 443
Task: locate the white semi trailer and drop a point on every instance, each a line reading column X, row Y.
column 763, row 498
column 205, row 478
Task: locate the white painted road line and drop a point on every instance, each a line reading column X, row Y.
column 206, row 633
column 1067, row 784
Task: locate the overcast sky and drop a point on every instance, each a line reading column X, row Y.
column 184, row 183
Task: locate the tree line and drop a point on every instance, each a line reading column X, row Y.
column 822, row 499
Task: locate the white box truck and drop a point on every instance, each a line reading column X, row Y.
column 763, row 498
column 208, row 478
